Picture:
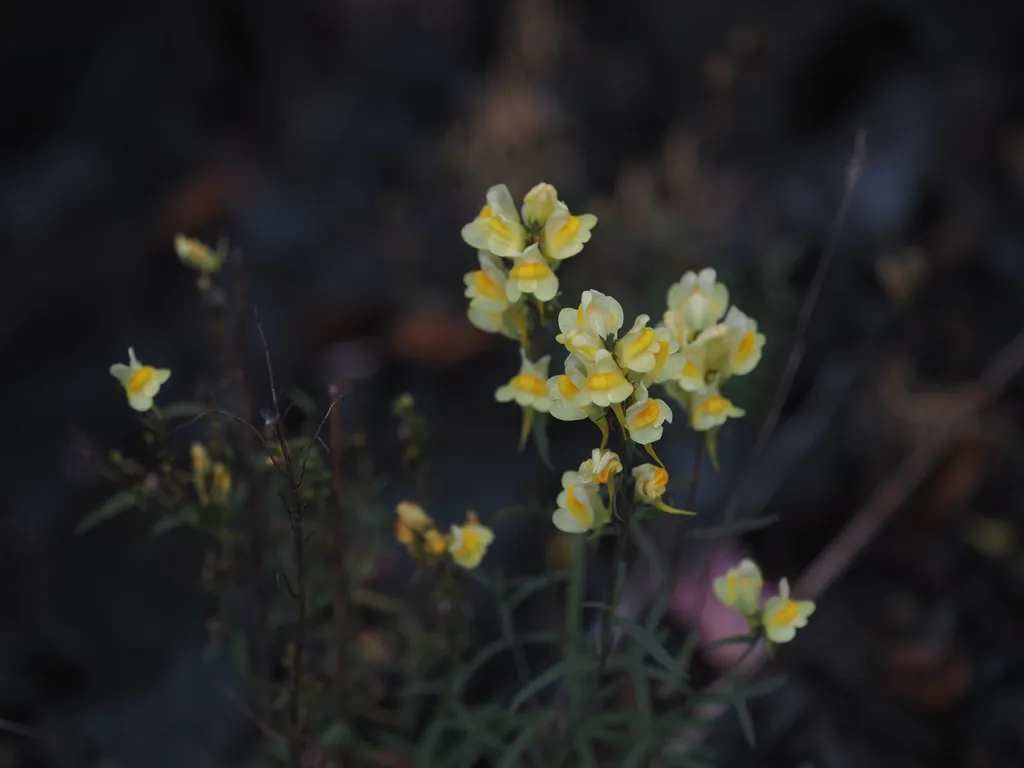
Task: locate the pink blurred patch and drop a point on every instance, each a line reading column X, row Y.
column 694, row 605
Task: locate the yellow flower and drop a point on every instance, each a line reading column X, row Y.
column 644, row 349
column 568, row 401
column 782, row 616
column 564, row 234
column 411, row 519
column 747, row 343
column 141, row 382
column 485, row 288
column 220, row 484
column 697, row 301
column 600, row 467
column 668, row 360
column 650, row 482
column 200, row 468
column 436, row 544
column 468, row 543
column 497, row 228
column 580, row 508
column 709, row 410
column 645, row 417
column 605, row 383
column 538, row 204
column 597, row 315
column 495, row 321
column 200, row 256
column 529, row 387
column 531, row 274
column 740, row 588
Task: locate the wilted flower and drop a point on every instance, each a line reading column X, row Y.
column 600, row 467
column 141, row 382
column 580, row 508
column 538, row 205
column 485, row 288
column 645, row 417
column 531, row 274
column 605, row 383
column 782, row 616
column 650, row 482
column 529, row 387
column 468, row 543
column 564, row 234
column 740, row 588
column 497, row 228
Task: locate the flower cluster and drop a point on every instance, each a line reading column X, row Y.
column 520, row 250
column 416, row 530
column 581, row 505
column 779, row 617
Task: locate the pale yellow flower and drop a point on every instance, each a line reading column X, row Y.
column 745, row 351
column 568, row 401
column 605, row 383
column 564, row 234
column 650, row 482
column 641, row 349
column 220, row 484
column 467, row 544
column 141, row 382
column 412, row 518
column 580, row 508
column 782, row 616
column 646, row 417
column 200, row 468
column 538, row 205
column 199, row 256
column 529, row 387
column 699, row 299
column 485, row 288
column 497, row 227
column 740, row 588
column 600, row 467
column 501, row 321
column 597, row 315
column 709, row 409
column 668, row 360
column 531, row 274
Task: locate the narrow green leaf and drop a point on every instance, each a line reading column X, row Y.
column 166, row 524
column 120, row 502
column 541, row 439
column 647, row 640
column 734, row 527
column 533, row 585
column 551, row 675
column 491, row 650
column 711, row 441
column 529, row 734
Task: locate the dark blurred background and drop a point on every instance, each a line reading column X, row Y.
column 341, row 144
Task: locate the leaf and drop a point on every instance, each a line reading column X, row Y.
column 646, row 640
column 532, row 585
column 734, row 527
column 120, row 502
column 649, row 551
column 526, row 737
column 635, row 757
column 550, row 676
column 586, row 752
column 336, row 734
column 493, row 649
column 541, row 439
column 166, row 524
column 475, row 728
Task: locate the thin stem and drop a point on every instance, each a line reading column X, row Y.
column 341, row 586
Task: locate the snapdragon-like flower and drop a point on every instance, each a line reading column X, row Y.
column 415, row 529
column 650, row 482
column 695, row 302
column 639, row 349
column 645, row 418
column 497, row 227
column 598, row 316
column 564, row 234
column 568, row 400
column 669, row 362
column 580, row 508
column 709, row 409
column 538, row 205
column 468, row 543
column 503, row 321
column 531, row 274
column 745, row 342
column 485, row 287
column 600, row 467
column 529, row 387
column 605, row 384
column 141, row 382
column 783, row 616
column 200, row 257
column 740, row 588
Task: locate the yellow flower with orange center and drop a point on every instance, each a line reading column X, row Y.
column 600, row 467
column 605, row 384
column 497, row 227
column 485, row 287
column 529, row 387
column 709, row 409
column 650, row 482
column 783, row 616
column 646, row 417
column 564, row 234
column 580, row 508
column 467, row 544
column 531, row 274
column 740, row 588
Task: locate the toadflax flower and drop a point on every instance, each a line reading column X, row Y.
column 695, row 302
column 220, row 484
column 580, row 508
column 415, row 529
column 141, row 382
column 605, row 384
column 650, row 481
column 564, row 234
column 709, row 409
column 485, row 287
column 600, row 467
column 584, row 329
column 740, row 588
column 529, row 387
column 568, row 401
column 745, row 342
column 640, row 350
column 199, row 256
column 783, row 616
column 467, row 544
column 644, row 419
column 497, row 227
column 531, row 274
column 538, row 205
